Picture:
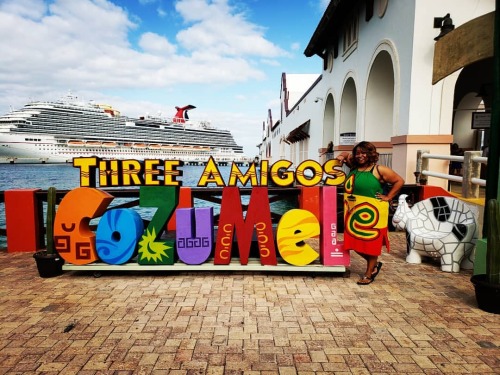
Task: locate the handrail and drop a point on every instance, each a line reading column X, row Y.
column 471, row 170
column 443, row 175
column 477, row 159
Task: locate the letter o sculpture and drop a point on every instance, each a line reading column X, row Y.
column 117, row 235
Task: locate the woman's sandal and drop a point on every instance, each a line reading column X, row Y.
column 365, row 280
column 375, row 273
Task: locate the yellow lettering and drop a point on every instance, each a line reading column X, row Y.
column 226, row 241
column 170, row 172
column 309, row 165
column 87, row 169
column 264, row 252
column 262, row 238
column 236, row 175
column 260, row 226
column 131, row 171
column 336, row 175
column 211, row 174
column 280, row 174
column 109, row 168
column 151, row 172
column 294, row 227
column 264, row 166
column 224, row 254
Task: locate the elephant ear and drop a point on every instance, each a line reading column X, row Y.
column 441, row 209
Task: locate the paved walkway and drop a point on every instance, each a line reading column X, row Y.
column 413, row 319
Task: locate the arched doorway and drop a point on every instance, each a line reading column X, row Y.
column 348, row 113
column 329, row 121
column 473, row 93
column 379, row 110
column 463, row 133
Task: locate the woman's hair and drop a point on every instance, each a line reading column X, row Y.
column 371, row 153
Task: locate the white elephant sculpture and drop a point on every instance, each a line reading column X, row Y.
column 444, row 227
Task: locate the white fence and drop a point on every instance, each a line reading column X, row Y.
column 471, row 170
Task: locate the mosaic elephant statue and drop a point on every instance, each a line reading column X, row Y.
column 439, row 227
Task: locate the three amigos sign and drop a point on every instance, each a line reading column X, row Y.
column 121, row 235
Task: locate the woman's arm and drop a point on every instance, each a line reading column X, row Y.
column 345, row 157
column 391, row 177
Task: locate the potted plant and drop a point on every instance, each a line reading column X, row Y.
column 487, row 286
column 48, row 261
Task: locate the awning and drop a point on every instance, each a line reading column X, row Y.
column 469, row 43
column 299, row 133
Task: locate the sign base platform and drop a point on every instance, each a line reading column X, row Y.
column 253, row 265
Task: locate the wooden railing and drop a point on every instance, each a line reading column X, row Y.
column 471, row 170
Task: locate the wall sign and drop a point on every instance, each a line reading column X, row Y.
column 481, row 120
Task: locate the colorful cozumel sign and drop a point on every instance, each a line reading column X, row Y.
column 121, row 235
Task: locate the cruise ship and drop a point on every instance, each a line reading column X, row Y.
column 58, row 131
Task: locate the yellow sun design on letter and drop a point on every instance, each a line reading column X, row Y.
column 151, row 250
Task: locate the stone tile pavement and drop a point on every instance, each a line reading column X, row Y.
column 414, row 319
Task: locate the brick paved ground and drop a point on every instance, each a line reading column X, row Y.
column 414, row 319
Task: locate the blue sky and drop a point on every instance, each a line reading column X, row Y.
column 225, row 57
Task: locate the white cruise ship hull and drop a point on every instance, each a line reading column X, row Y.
column 57, row 132
column 36, row 148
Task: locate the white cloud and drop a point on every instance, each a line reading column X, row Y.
column 84, row 43
column 156, row 44
column 97, row 22
column 216, row 28
column 31, row 9
column 270, row 62
column 91, row 47
column 161, row 12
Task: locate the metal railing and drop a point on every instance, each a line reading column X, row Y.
column 471, row 170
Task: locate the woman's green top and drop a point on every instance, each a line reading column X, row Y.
column 365, row 183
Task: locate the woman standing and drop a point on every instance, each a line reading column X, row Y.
column 367, row 179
